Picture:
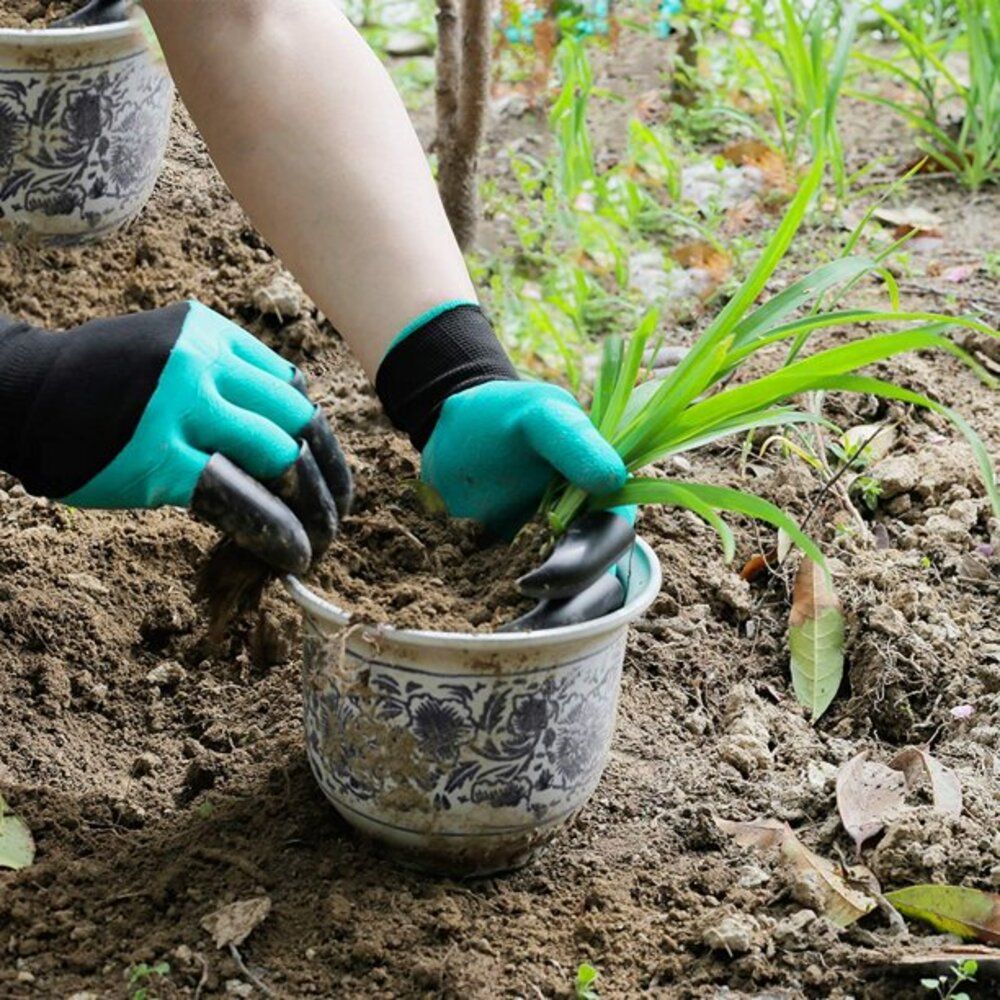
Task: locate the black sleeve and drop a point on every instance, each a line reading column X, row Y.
column 455, row 350
column 70, row 402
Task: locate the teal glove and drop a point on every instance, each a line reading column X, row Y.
column 497, row 446
column 221, row 390
column 177, row 406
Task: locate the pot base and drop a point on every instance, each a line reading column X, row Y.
column 461, row 858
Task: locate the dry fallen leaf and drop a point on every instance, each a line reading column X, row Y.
column 700, row 255
column 815, row 639
column 875, row 440
column 911, row 219
column 842, row 904
column 916, row 763
column 868, row 795
column 953, row 909
column 233, row 924
column 17, row 846
column 754, row 153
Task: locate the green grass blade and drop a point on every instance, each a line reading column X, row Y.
column 767, row 316
column 628, row 372
column 803, row 376
column 782, row 417
column 611, row 362
column 643, row 491
column 695, row 372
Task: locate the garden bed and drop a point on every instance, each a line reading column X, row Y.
column 163, row 777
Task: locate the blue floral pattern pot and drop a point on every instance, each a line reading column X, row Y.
column 84, row 117
column 464, row 754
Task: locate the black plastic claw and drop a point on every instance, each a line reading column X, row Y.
column 304, row 491
column 254, row 518
column 326, row 449
column 607, row 594
column 329, row 457
column 591, row 544
column 93, row 13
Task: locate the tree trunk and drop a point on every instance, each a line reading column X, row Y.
column 462, row 97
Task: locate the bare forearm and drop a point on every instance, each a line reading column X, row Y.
column 309, row 133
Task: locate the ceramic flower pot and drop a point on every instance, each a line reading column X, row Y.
column 463, row 753
column 84, row 115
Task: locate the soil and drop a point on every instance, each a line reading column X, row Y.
column 35, row 13
column 394, row 562
column 164, row 777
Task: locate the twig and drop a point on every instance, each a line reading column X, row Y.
column 204, row 975
column 253, row 977
column 827, row 486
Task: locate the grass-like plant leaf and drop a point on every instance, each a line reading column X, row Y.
column 691, row 407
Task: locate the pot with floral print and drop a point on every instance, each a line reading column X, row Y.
column 463, row 754
column 84, row 116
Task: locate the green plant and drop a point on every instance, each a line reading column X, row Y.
column 695, row 404
column 802, row 66
column 868, row 490
column 944, row 988
column 586, row 976
column 969, row 149
column 140, row 978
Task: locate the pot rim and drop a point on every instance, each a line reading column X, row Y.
column 317, row 607
column 49, row 37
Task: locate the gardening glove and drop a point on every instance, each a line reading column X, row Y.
column 491, row 443
column 176, row 406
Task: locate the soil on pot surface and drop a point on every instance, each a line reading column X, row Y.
column 164, row 777
column 396, row 563
column 35, row 13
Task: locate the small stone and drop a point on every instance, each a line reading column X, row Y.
column 169, row 673
column 820, row 775
column 409, row 43
column 947, row 528
column 310, row 953
column 82, row 931
column 24, row 976
column 734, row 935
column 237, row 988
column 899, row 505
column 85, row 581
column 280, row 297
column 145, row 763
column 897, row 474
column 511, row 106
column 887, row 619
column 750, row 876
column 789, row 931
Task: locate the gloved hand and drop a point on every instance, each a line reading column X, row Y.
column 176, row 406
column 491, row 444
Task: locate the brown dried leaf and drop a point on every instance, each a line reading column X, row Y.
column 910, row 219
column 703, row 255
column 233, row 924
column 868, row 795
column 842, row 904
column 916, row 763
column 754, row 153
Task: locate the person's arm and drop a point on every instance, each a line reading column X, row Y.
column 312, row 138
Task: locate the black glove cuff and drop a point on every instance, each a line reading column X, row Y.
column 455, row 350
column 26, row 355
